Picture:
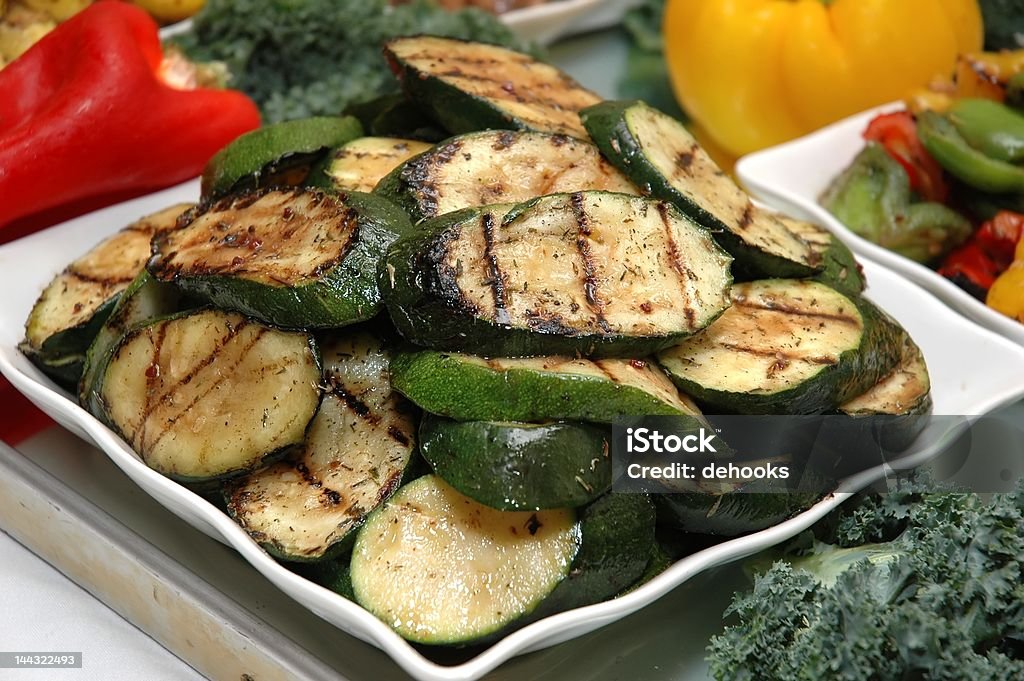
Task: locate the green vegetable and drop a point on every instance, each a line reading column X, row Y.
column 1004, row 24
column 991, row 127
column 872, row 197
column 300, row 58
column 520, row 466
column 271, row 155
column 943, row 141
column 899, row 586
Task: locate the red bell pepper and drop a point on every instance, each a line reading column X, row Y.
column 987, row 254
column 88, row 111
column 897, row 133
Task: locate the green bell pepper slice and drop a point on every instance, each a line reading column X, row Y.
column 945, row 143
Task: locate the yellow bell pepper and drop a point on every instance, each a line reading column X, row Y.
column 754, row 73
column 1007, row 293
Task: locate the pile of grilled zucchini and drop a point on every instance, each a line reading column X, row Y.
column 407, row 392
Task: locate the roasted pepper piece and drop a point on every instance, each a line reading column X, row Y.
column 86, row 112
column 943, row 141
column 992, row 128
column 989, row 252
column 873, row 198
column 897, row 132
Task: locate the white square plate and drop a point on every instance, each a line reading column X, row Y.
column 791, row 177
column 973, row 371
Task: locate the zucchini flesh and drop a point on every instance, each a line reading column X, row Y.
column 468, row 86
column 498, row 166
column 471, row 388
column 440, row 568
column 557, row 275
column 71, row 309
column 296, row 258
column 520, row 466
column 785, row 346
column 840, row 268
column 362, row 163
column 308, row 506
column 657, row 153
column 210, row 394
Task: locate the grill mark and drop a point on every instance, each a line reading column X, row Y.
column 151, row 382
column 495, row 276
column 796, row 312
column 398, row 435
column 604, row 370
column 590, row 286
column 497, row 92
column 170, row 422
column 682, row 272
column 72, row 271
column 685, row 159
column 746, row 218
column 778, row 354
column 355, row 405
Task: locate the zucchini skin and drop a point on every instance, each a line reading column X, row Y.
column 519, row 466
column 443, row 384
column 422, row 295
column 345, row 294
column 62, row 356
column 731, row 514
column 617, row 542
column 606, row 122
column 855, row 372
column 259, row 158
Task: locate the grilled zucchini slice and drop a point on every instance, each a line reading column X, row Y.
column 840, row 268
column 657, row 153
column 468, row 86
column 440, row 568
column 307, row 507
column 726, row 510
column 787, row 347
column 589, row 273
column 471, row 388
column 362, row 163
column 275, row 155
column 520, row 466
column 209, row 394
column 895, row 409
column 498, row 166
column 72, row 308
column 296, row 258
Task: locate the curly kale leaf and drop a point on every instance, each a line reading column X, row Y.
column 925, row 586
column 299, row 58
